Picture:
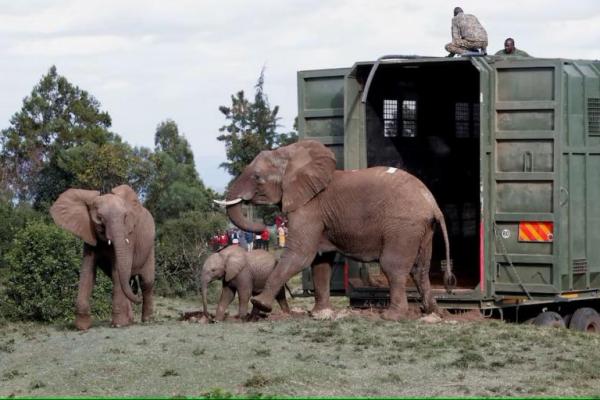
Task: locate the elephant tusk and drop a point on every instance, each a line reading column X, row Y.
column 228, row 203
column 126, row 240
column 109, row 242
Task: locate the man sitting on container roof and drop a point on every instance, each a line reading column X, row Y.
column 510, row 50
column 468, row 34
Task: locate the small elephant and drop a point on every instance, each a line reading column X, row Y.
column 373, row 214
column 118, row 235
column 243, row 271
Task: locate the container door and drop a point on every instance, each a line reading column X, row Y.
column 524, row 192
column 580, row 177
column 321, row 117
column 321, row 108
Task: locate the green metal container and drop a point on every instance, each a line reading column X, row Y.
column 509, row 147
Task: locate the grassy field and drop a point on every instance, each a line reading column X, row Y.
column 356, row 355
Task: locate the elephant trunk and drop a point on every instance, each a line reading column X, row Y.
column 242, row 188
column 123, row 262
column 235, row 215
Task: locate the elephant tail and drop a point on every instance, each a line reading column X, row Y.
column 449, row 278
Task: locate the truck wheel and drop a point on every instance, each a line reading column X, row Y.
column 585, row 319
column 549, row 318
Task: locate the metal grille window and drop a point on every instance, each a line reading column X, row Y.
column 390, row 118
column 594, row 115
column 462, row 117
column 409, row 118
column 466, row 119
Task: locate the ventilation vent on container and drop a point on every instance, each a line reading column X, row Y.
column 580, row 267
column 594, row 115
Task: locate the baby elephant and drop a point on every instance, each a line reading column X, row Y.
column 243, row 271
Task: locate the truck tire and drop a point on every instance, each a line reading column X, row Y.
column 550, row 318
column 585, row 319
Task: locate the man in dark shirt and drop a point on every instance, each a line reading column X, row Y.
column 510, row 50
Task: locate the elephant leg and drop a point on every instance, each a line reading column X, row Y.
column 421, row 274
column 396, row 263
column 244, row 294
column 227, row 295
column 122, row 314
column 300, row 251
column 282, row 301
column 289, row 265
column 321, row 273
column 147, row 278
column 87, row 276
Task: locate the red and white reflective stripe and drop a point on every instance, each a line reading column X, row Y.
column 536, row 231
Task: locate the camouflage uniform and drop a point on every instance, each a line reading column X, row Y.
column 516, row 53
column 467, row 34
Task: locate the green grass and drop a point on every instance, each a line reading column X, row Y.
column 352, row 356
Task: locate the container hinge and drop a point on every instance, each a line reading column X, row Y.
column 505, row 253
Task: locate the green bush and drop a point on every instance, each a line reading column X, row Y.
column 182, row 246
column 14, row 218
column 43, row 277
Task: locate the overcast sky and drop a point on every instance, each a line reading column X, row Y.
column 146, row 61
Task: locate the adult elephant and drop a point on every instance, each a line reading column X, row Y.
column 118, row 235
column 375, row 214
column 241, row 271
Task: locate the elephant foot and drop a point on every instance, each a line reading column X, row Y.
column 323, row 314
column 261, row 303
column 428, row 309
column 83, row 322
column 146, row 316
column 318, row 307
column 393, row 315
column 119, row 321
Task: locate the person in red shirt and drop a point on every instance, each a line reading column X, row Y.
column 265, row 239
column 223, row 240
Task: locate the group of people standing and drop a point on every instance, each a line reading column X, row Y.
column 468, row 35
column 257, row 240
column 251, row 240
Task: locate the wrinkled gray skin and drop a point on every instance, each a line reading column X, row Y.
column 374, row 214
column 117, row 217
column 241, row 271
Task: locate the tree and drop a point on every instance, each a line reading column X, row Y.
column 55, row 116
column 252, row 127
column 175, row 186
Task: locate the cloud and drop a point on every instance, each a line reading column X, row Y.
column 67, row 45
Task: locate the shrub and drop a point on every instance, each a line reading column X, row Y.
column 43, row 276
column 14, row 218
column 182, row 247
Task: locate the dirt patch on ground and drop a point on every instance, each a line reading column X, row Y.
column 372, row 313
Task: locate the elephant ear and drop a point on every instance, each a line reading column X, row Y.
column 234, row 264
column 70, row 211
column 309, row 170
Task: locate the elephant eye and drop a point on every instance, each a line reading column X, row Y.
column 258, row 178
